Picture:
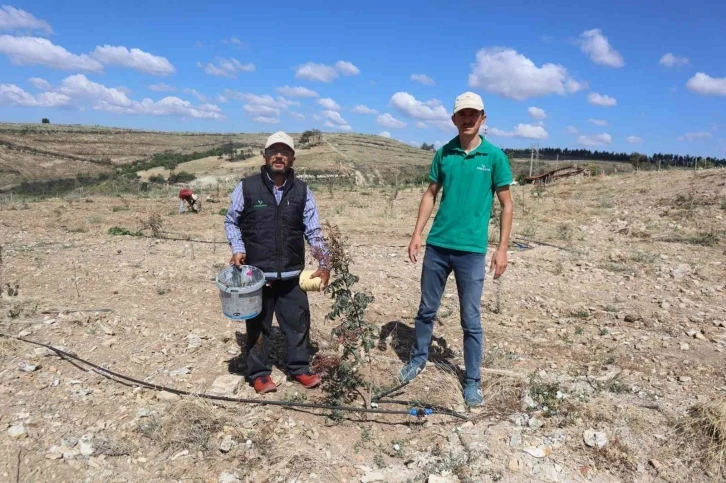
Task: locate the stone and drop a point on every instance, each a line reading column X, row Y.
column 633, row 317
column 685, row 379
column 519, row 419
column 550, row 473
column 685, row 346
column 27, row 367
column 18, row 431
column 680, row 271
column 85, row 445
column 515, row 440
column 193, row 342
column 372, row 476
column 180, row 372
column 527, row 402
column 227, row 444
column 443, row 479
column 227, row 477
column 144, row 413
column 167, row 396
column 535, row 422
column 514, row 465
column 595, row 439
column 226, row 385
column 538, row 452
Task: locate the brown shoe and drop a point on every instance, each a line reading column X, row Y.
column 264, row 384
column 308, row 380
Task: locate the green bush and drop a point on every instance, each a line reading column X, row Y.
column 181, row 177
column 157, row 178
column 118, row 230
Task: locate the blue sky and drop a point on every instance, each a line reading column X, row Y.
column 619, row 76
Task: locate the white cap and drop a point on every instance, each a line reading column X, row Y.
column 280, row 137
column 468, row 100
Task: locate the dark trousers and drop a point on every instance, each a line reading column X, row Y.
column 287, row 301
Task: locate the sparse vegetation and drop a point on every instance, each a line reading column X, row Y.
column 120, row 231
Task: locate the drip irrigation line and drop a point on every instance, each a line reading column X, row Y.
column 416, row 411
column 437, row 409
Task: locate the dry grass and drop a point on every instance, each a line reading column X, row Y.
column 190, row 424
column 8, row 347
column 437, row 385
column 704, row 430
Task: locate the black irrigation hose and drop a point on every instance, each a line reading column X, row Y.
column 377, row 397
column 419, row 412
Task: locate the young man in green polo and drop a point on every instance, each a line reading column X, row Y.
column 470, row 170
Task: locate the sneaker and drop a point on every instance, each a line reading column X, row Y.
column 308, row 380
column 410, row 371
column 264, row 384
column 472, row 394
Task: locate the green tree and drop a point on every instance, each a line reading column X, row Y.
column 45, row 120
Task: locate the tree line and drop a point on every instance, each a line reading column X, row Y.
column 638, row 160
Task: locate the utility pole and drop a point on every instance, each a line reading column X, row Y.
column 531, row 159
column 557, row 163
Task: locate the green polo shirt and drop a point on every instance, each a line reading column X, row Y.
column 468, row 185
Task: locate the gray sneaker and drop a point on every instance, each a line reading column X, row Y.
column 410, row 371
column 472, row 394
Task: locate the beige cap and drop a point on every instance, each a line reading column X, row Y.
column 280, row 137
column 468, row 100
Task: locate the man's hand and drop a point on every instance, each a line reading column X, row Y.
column 324, row 276
column 238, row 259
column 414, row 247
column 499, row 262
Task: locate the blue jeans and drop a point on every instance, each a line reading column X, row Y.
column 469, row 270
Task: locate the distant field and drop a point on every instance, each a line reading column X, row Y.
column 44, row 152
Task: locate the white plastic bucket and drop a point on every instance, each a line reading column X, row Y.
column 240, row 291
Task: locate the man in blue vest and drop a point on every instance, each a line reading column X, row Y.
column 270, row 217
column 470, row 171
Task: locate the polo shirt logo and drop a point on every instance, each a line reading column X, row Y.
column 483, row 168
column 260, row 204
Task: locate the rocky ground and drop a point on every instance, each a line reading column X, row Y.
column 607, row 329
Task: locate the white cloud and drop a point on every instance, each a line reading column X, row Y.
column 536, row 113
column 316, row 72
column 328, row 103
column 197, row 94
column 261, row 109
column 334, row 117
column 671, row 60
column 135, row 59
column 706, row 85
column 595, row 140
column 296, row 92
column 266, row 120
column 361, row 109
column 598, row 122
column 15, row 19
column 386, row 120
column 226, row 67
column 346, row 68
column 125, row 90
column 634, row 139
column 325, row 73
column 425, row 111
column 222, row 99
column 385, row 134
column 38, row 51
column 598, row 48
column 161, row 87
column 423, row 79
column 14, row 95
column 234, row 41
column 260, row 100
column 438, row 144
column 508, row 73
column 421, row 125
column 572, row 130
column 39, row 83
column 110, row 99
column 341, row 127
column 297, row 115
column 524, row 131
column 601, row 100
column 693, row 136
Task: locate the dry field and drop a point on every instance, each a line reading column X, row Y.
column 613, row 337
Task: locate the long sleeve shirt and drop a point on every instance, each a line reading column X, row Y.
column 311, row 220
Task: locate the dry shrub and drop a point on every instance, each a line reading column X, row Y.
column 8, row 347
column 437, row 385
column 704, row 430
column 617, row 457
column 189, row 425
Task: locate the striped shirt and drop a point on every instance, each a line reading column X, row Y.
column 311, row 219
